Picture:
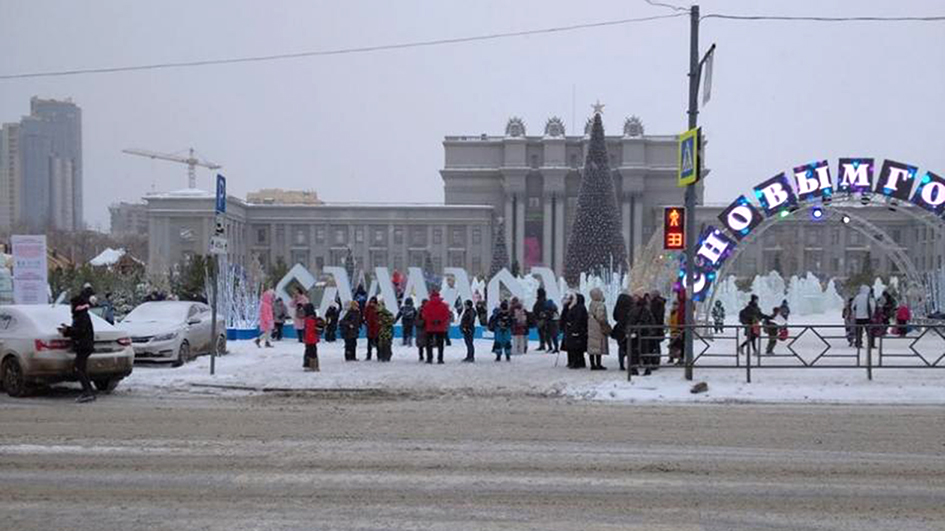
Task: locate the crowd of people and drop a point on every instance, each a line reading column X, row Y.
column 581, row 329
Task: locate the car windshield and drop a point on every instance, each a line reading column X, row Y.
column 155, row 311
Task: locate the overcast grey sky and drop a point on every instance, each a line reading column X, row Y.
column 370, row 126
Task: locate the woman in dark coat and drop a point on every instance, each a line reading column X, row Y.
column 563, row 320
column 83, row 339
column 642, row 334
column 577, row 333
column 621, row 314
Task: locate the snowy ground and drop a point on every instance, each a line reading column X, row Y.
column 250, row 369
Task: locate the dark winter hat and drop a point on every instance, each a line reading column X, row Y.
column 469, row 303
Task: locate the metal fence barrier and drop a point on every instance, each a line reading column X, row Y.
column 867, row 347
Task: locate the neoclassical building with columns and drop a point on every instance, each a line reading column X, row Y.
column 533, row 181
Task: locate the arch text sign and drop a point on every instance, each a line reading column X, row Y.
column 808, row 184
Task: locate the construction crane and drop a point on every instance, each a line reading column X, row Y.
column 191, row 161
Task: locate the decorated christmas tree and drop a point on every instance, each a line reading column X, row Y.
column 500, row 252
column 595, row 244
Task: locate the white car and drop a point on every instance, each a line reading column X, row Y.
column 174, row 331
column 33, row 352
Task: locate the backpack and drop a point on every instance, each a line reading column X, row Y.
column 409, row 313
column 744, row 316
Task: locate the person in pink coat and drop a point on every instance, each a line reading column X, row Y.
column 299, row 300
column 266, row 320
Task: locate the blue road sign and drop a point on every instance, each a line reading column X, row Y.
column 221, row 194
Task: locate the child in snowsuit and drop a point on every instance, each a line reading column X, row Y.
column 310, row 337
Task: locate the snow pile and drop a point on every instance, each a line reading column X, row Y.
column 107, row 258
column 251, row 369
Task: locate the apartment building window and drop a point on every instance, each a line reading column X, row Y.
column 534, row 159
column 398, row 262
column 320, row 262
column 476, row 265
column 398, row 235
column 359, row 235
column 415, row 258
column 835, row 265
column 320, row 235
column 835, row 237
column 437, row 236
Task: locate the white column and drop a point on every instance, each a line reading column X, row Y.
column 508, row 221
column 520, row 232
column 546, row 236
column 625, row 223
column 638, row 242
column 560, row 241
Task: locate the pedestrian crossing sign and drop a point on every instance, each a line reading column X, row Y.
column 688, row 162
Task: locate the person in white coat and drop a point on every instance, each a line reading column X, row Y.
column 862, row 309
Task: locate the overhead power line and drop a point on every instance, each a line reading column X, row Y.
column 936, row 18
column 654, row 3
column 340, row 51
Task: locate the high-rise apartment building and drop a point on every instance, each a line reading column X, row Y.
column 43, row 171
column 10, row 182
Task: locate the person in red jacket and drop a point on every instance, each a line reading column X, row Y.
column 436, row 322
column 310, row 338
column 373, row 325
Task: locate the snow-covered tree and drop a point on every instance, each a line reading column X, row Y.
column 595, row 244
column 500, row 251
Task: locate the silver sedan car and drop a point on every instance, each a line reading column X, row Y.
column 34, row 353
column 172, row 331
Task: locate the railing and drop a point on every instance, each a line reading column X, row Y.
column 866, row 347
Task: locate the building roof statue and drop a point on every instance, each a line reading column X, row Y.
column 633, row 127
column 554, row 128
column 515, row 127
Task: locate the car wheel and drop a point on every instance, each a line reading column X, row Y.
column 13, row 380
column 107, row 385
column 183, row 354
column 221, row 345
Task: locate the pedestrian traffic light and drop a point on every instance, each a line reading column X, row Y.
column 674, row 228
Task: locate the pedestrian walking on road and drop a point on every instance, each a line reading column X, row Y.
column 82, row 335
